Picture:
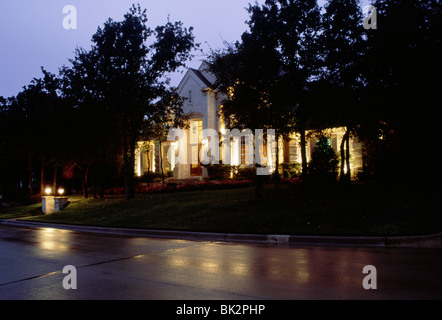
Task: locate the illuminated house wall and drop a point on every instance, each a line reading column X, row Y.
column 201, row 105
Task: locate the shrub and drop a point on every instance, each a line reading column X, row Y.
column 290, row 170
column 244, row 172
column 169, row 174
column 175, row 187
column 219, row 171
column 293, row 181
column 149, row 177
column 323, row 166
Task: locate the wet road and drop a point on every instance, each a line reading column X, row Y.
column 108, row 267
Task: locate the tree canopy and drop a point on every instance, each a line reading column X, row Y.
column 105, row 100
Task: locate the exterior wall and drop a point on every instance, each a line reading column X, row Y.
column 335, row 135
column 203, row 103
column 200, row 103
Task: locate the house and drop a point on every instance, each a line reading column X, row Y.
column 202, row 105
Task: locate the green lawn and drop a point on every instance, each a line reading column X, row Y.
column 360, row 210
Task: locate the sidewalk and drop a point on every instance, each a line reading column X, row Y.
column 426, row 241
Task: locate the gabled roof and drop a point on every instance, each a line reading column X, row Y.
column 199, row 75
column 202, row 77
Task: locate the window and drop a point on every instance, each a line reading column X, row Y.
column 244, row 151
column 293, row 151
column 190, row 96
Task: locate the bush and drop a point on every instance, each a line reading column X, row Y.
column 149, row 177
column 244, row 173
column 323, row 167
column 290, row 170
column 174, row 187
column 219, row 171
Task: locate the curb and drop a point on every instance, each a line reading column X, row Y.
column 428, row 241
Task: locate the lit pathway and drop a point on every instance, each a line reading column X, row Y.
column 110, row 267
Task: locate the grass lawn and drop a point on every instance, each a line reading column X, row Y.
column 362, row 210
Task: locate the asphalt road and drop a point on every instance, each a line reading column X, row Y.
column 133, row 268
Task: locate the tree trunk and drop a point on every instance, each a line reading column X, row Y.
column 148, row 165
column 347, row 155
column 101, row 179
column 54, row 183
column 95, row 181
column 161, row 161
column 259, row 186
column 130, row 171
column 42, row 181
column 258, row 165
column 303, row 156
column 31, row 188
column 85, row 181
column 345, row 158
column 342, row 174
column 277, row 176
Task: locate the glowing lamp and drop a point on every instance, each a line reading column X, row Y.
column 60, row 191
column 48, row 191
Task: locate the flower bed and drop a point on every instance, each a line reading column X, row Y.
column 201, row 185
column 295, row 180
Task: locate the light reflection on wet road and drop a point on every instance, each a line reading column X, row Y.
column 109, row 267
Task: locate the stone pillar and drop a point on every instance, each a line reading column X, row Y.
column 51, row 204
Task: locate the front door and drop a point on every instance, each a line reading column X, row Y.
column 196, row 132
column 195, row 167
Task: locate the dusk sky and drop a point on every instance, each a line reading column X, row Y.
column 32, row 33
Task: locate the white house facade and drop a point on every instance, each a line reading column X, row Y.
column 201, row 106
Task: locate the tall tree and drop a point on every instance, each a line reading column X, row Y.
column 36, row 117
column 403, row 56
column 266, row 76
column 248, row 73
column 342, row 42
column 299, row 25
column 167, row 113
column 127, row 75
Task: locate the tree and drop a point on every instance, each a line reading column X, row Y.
column 34, row 123
column 324, row 162
column 248, row 74
column 95, row 143
column 125, row 75
column 267, row 74
column 298, row 25
column 343, row 45
column 403, row 55
column 167, row 113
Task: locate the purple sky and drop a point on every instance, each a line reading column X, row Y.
column 32, row 33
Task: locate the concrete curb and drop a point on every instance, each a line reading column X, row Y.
column 430, row 241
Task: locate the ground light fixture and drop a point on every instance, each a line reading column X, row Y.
column 48, row 191
column 60, row 191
